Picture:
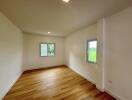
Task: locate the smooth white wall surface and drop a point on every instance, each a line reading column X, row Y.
column 119, row 54
column 101, row 55
column 10, row 54
column 32, row 59
column 76, row 52
column 113, row 70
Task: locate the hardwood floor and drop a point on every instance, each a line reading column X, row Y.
column 54, row 84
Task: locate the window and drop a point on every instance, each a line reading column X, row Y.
column 47, row 49
column 92, row 51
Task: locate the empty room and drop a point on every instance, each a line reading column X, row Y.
column 65, row 49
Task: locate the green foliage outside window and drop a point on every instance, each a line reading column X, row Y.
column 47, row 49
column 92, row 51
column 92, row 55
column 51, row 49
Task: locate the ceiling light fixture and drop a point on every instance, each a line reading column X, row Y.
column 49, row 32
column 66, row 1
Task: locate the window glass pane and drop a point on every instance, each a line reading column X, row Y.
column 51, row 49
column 44, row 50
column 92, row 51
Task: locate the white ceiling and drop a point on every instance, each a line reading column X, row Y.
column 41, row 16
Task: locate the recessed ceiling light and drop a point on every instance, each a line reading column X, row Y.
column 49, row 32
column 66, row 1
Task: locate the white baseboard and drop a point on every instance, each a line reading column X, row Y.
column 102, row 90
column 40, row 67
column 114, row 94
column 90, row 80
column 11, row 85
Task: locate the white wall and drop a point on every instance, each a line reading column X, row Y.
column 119, row 54
column 10, row 54
column 113, row 70
column 76, row 52
column 32, row 59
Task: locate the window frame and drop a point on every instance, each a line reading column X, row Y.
column 47, row 49
column 87, row 50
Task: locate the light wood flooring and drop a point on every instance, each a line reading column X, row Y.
column 59, row 83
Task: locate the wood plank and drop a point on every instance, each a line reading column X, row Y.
column 59, row 83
